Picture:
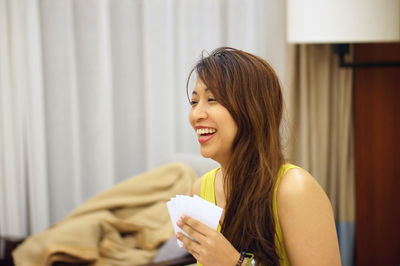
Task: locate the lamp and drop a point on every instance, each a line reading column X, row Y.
column 341, row 22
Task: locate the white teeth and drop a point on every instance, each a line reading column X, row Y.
column 205, row 131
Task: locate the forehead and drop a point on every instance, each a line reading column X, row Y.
column 200, row 88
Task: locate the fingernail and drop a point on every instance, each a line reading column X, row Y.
column 178, row 235
column 183, row 216
column 179, row 222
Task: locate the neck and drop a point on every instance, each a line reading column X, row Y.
column 221, row 180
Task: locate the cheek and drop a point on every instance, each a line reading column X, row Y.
column 233, row 130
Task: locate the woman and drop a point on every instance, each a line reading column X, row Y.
column 273, row 210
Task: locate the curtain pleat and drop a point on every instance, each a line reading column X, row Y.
column 321, row 124
column 24, row 192
column 35, row 130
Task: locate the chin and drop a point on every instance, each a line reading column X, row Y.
column 206, row 154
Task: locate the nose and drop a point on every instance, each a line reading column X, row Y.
column 198, row 112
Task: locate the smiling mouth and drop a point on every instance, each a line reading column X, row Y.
column 205, row 134
column 205, row 131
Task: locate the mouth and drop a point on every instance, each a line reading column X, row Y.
column 205, row 134
column 205, row 131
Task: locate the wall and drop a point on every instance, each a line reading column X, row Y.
column 377, row 144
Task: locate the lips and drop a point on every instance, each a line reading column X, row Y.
column 205, row 133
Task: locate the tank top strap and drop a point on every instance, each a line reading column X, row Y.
column 207, row 190
column 279, row 235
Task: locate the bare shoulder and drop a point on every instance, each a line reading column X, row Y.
column 307, row 221
column 297, row 182
column 196, row 187
column 300, row 193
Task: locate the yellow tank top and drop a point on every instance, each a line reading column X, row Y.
column 207, row 192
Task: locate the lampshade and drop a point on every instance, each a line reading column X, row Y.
column 343, row 21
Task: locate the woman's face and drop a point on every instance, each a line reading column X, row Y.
column 213, row 124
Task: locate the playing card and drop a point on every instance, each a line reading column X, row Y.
column 195, row 207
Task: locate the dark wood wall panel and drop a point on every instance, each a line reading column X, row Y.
column 377, row 151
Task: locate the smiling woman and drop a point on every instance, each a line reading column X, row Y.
column 272, row 209
column 213, row 123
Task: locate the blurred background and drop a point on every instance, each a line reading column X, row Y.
column 93, row 92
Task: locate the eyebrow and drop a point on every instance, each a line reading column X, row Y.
column 195, row 93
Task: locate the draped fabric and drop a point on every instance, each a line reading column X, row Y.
column 321, row 126
column 123, row 225
column 93, row 92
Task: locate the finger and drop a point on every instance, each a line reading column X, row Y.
column 196, row 225
column 195, row 255
column 190, row 245
column 199, row 236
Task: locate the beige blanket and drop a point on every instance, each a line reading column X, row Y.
column 121, row 226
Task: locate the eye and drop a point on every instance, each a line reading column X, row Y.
column 212, row 100
column 192, row 102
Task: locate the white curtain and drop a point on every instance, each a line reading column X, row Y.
column 93, row 92
column 24, row 197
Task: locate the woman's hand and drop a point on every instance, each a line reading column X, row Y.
column 211, row 247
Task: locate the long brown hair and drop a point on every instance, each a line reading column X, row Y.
column 249, row 88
